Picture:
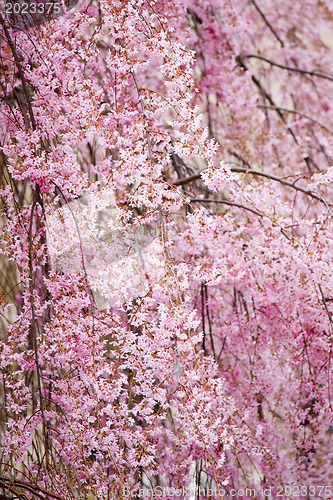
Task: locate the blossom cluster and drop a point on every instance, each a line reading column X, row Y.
column 166, row 230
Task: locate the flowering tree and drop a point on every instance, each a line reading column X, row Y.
column 166, row 232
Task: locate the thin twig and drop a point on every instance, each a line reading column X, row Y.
column 240, row 61
column 295, row 112
column 30, row 487
column 287, row 68
column 151, row 154
column 312, row 194
column 325, row 305
column 203, row 318
column 225, row 202
column 282, row 181
column 20, row 72
column 209, row 321
column 267, row 22
column 34, row 332
column 12, row 490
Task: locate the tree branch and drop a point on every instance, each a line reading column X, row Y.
column 225, row 202
column 267, row 22
column 308, row 192
column 37, row 490
column 295, row 112
column 20, row 72
column 287, row 68
column 240, row 61
column 138, row 89
column 186, row 180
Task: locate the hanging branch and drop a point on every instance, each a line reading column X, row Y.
column 308, row 192
column 241, row 58
column 20, row 72
column 268, row 24
column 151, row 154
column 36, row 490
column 299, row 113
column 34, row 334
column 240, row 61
column 225, row 202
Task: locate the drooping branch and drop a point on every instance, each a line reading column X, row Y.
column 150, row 149
column 308, row 192
column 36, row 490
column 13, row 490
column 242, row 57
column 20, row 72
column 254, row 3
column 34, row 336
column 225, row 202
column 299, row 113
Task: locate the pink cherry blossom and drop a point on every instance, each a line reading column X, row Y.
column 166, row 250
